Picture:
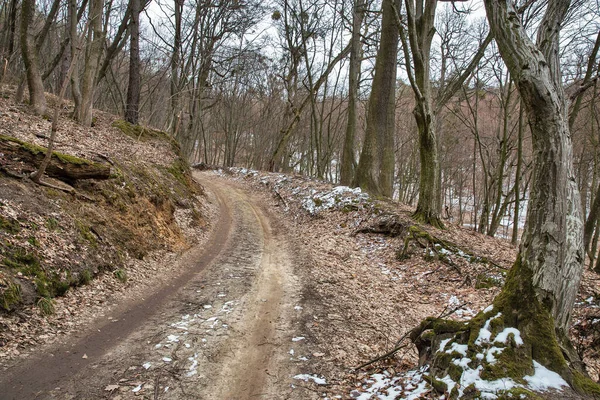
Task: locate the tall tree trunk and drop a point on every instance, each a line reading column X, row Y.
column 83, row 114
column 348, row 158
column 375, row 171
column 74, row 43
column 515, row 232
column 30, row 58
column 175, row 60
column 132, row 106
column 12, row 26
column 551, row 252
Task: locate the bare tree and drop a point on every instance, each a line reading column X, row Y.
column 348, row 162
column 544, row 281
column 35, row 84
column 132, row 105
column 375, row 171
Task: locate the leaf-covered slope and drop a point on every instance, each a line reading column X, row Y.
column 51, row 240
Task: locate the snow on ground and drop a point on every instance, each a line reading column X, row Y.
column 192, row 331
column 412, row 383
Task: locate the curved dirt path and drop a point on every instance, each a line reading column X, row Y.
column 215, row 332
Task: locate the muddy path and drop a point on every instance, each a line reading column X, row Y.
column 220, row 330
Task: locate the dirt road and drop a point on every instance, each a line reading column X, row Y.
column 220, row 330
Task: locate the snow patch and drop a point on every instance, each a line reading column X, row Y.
column 543, row 379
column 314, row 378
column 502, row 337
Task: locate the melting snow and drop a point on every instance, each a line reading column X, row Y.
column 443, row 344
column 297, row 339
column 484, row 333
column 502, row 337
column 544, row 379
column 339, row 196
column 147, row 365
column 306, row 378
column 459, row 348
column 173, row 338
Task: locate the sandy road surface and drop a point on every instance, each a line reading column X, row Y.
column 221, row 330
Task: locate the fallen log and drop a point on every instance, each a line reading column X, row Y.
column 18, row 155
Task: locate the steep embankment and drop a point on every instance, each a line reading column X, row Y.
column 112, row 228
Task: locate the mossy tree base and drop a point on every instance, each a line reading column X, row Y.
column 428, row 218
column 500, row 343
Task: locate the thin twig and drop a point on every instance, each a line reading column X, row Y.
column 399, row 346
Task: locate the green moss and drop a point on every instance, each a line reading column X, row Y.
column 583, row 384
column 42, row 287
column 442, row 361
column 455, row 372
column 437, row 385
column 46, row 306
column 61, row 287
column 10, row 294
column 33, row 241
column 139, row 132
column 121, row 275
column 518, row 393
column 52, row 224
column 9, row 225
column 85, row 277
column 23, row 261
column 485, row 282
column 35, row 150
column 441, row 326
column 513, row 362
column 179, row 169
column 86, row 233
column 521, row 309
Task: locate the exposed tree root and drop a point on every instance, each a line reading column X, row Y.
column 428, row 219
column 500, row 346
column 389, row 225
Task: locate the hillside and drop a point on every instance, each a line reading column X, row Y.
column 100, row 239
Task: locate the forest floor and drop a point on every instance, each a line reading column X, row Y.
column 278, row 289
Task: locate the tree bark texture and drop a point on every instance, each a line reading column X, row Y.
column 348, row 158
column 421, row 18
column 375, row 171
column 35, row 84
column 83, row 114
column 552, row 243
column 132, row 107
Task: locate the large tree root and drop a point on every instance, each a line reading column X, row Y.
column 501, row 349
column 392, row 225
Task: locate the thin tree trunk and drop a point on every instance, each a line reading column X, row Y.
column 72, row 21
column 35, row 84
column 348, row 158
column 515, row 232
column 132, row 105
column 92, row 59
